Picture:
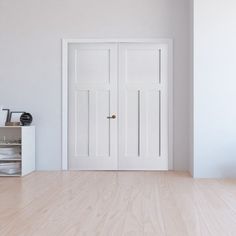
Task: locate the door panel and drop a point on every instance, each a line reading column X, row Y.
column 81, row 124
column 143, row 68
column 92, row 65
column 92, row 98
column 131, row 123
column 153, row 123
column 143, row 102
column 102, row 124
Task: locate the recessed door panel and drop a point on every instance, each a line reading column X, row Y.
column 132, row 123
column 81, row 134
column 154, row 123
column 142, row 66
column 92, row 65
column 102, row 124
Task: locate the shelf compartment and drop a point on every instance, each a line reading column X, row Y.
column 24, row 157
column 10, row 168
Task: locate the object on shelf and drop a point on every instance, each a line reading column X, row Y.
column 12, row 123
column 26, row 119
column 14, row 119
column 10, row 158
column 10, row 153
column 8, row 114
column 9, row 150
column 10, row 142
column 10, row 168
column 4, row 116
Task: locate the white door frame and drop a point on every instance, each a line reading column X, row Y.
column 65, row 44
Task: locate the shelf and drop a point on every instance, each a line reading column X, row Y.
column 11, row 126
column 11, row 159
column 14, row 175
column 10, row 144
column 22, row 126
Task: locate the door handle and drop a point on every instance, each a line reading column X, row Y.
column 111, row 117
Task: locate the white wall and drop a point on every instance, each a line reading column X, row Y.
column 214, row 88
column 30, row 57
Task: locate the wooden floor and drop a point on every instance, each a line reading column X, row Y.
column 116, row 203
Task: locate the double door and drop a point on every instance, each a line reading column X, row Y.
column 118, row 106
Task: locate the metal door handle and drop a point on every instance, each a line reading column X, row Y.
column 111, row 117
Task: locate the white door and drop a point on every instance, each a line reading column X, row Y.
column 92, row 72
column 143, row 106
column 104, row 77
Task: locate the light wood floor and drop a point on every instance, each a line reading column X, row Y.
column 116, row 203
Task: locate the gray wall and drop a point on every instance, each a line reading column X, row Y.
column 214, row 88
column 30, row 58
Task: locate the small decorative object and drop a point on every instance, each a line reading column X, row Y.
column 15, row 116
column 4, row 116
column 8, row 114
column 26, row 119
column 14, row 119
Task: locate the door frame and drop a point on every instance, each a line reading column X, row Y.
column 65, row 105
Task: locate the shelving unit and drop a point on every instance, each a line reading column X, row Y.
column 25, row 136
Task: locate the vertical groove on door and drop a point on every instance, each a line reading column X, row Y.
column 159, row 65
column 76, row 123
column 109, row 127
column 160, row 80
column 109, row 66
column 139, row 123
column 159, row 123
column 88, row 123
column 76, row 64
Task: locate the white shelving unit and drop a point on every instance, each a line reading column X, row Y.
column 25, row 136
